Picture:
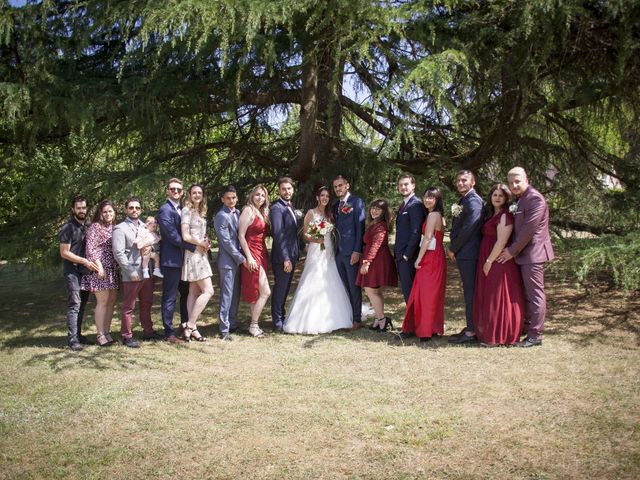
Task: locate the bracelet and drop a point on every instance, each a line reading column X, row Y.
column 488, row 261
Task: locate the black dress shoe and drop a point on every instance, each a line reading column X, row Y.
column 425, row 339
column 460, row 333
column 152, row 336
column 225, row 337
column 75, row 346
column 130, row 342
column 529, row 342
column 84, row 340
column 405, row 335
column 463, row 339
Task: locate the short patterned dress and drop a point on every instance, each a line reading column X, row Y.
column 99, row 246
column 196, row 264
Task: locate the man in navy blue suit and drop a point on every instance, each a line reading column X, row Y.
column 409, row 220
column 465, row 238
column 285, row 249
column 171, row 256
column 349, row 214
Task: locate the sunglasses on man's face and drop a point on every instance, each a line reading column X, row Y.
column 175, row 189
column 131, row 207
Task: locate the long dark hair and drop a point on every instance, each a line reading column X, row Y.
column 97, row 215
column 386, row 214
column 488, row 206
column 434, row 192
column 328, row 211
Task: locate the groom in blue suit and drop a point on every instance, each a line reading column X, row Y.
column 285, row 249
column 349, row 214
column 409, row 220
column 230, row 258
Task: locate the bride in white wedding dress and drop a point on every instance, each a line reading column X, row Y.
column 320, row 304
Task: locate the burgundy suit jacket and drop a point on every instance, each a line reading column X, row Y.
column 531, row 240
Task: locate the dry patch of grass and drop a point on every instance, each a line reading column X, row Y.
column 343, row 405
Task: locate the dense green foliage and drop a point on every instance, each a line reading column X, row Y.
column 109, row 98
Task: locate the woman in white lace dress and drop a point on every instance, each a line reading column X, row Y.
column 320, row 304
column 196, row 268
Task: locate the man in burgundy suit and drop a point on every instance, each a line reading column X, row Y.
column 531, row 248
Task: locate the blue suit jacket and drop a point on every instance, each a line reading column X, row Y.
column 466, row 228
column 171, row 244
column 409, row 228
column 225, row 224
column 284, row 230
column 350, row 226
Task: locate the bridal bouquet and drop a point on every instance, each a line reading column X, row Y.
column 318, row 229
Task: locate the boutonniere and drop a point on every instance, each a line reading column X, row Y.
column 456, row 209
column 346, row 208
column 513, row 208
column 298, row 213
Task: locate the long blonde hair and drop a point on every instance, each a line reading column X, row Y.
column 202, row 208
column 264, row 210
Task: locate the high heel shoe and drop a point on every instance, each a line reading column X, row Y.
column 102, row 339
column 195, row 334
column 376, row 325
column 254, row 331
column 387, row 323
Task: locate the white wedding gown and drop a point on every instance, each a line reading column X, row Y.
column 320, row 303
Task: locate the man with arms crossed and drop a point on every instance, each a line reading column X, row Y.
column 72, row 251
column 531, row 247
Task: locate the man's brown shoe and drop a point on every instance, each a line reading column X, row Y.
column 356, row 326
column 174, row 339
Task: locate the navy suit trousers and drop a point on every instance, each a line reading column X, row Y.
column 406, row 272
column 467, row 269
column 171, row 284
column 280, row 291
column 348, row 274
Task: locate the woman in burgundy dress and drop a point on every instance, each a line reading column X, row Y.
column 104, row 282
column 425, row 308
column 252, row 229
column 498, row 301
column 377, row 268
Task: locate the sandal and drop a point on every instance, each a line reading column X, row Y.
column 102, row 339
column 254, row 331
column 195, row 334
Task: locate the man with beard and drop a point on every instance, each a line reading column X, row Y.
column 71, row 238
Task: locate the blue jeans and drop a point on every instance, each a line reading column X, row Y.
column 76, row 303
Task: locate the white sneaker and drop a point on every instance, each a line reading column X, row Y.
column 145, row 274
column 157, row 273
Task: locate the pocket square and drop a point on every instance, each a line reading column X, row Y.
column 404, row 213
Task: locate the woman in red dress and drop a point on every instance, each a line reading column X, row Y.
column 498, row 301
column 252, row 229
column 425, row 308
column 377, row 268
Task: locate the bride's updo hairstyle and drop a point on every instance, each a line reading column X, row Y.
column 328, row 211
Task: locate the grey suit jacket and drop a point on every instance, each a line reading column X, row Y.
column 225, row 224
column 125, row 252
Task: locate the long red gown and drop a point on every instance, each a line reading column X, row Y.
column 425, row 308
column 382, row 268
column 249, row 281
column 498, row 301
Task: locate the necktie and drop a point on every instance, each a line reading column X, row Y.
column 289, row 205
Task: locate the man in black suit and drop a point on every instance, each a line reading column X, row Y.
column 409, row 220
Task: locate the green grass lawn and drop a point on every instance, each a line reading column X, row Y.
column 343, row 405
